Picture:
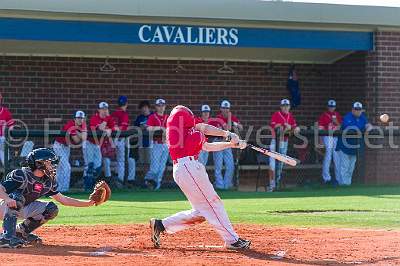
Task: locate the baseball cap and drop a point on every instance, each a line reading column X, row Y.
column 103, row 105
column 285, row 102
column 122, row 100
column 331, row 103
column 80, row 114
column 160, row 102
column 205, row 108
column 357, row 106
column 225, row 104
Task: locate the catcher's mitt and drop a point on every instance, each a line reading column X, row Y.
column 101, row 193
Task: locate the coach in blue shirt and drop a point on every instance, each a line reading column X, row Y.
column 347, row 148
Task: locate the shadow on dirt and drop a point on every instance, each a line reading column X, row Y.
column 254, row 254
column 67, row 251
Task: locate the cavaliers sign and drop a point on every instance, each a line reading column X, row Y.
column 168, row 34
column 181, row 35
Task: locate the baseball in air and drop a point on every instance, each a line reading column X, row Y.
column 384, row 118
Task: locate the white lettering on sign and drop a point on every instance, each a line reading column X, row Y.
column 188, row 35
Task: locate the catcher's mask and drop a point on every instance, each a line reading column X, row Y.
column 43, row 159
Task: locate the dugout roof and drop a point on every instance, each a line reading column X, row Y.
column 180, row 29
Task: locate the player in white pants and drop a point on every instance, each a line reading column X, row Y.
column 76, row 134
column 6, row 120
column 120, row 152
column 185, row 141
column 330, row 120
column 348, row 147
column 204, row 118
column 159, row 150
column 2, row 141
column 122, row 121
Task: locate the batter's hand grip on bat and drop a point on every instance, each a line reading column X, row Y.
column 276, row 155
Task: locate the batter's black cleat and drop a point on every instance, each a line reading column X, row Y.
column 30, row 239
column 240, row 244
column 157, row 228
column 14, row 242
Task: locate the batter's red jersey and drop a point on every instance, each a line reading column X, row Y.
column 194, row 141
column 96, row 120
column 121, row 118
column 156, row 120
column 280, row 119
column 72, row 130
column 182, row 138
column 326, row 121
column 198, row 120
column 6, row 119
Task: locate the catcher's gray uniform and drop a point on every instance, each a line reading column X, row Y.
column 24, row 183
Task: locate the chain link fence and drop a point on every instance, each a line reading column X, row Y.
column 125, row 162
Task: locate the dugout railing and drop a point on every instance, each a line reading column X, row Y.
column 251, row 168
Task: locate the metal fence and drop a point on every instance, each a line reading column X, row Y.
column 125, row 163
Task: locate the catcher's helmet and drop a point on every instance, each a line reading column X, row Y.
column 43, row 159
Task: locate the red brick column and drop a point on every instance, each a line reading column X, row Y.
column 383, row 96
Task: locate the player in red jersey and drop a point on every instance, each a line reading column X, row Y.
column 284, row 122
column 6, row 120
column 185, row 140
column 159, row 149
column 204, row 118
column 121, row 118
column 100, row 121
column 330, row 120
column 225, row 158
column 76, row 135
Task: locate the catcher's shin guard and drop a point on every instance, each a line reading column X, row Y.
column 9, row 224
column 29, row 225
column 10, row 217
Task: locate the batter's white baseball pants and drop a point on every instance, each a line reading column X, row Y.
column 192, row 178
column 330, row 146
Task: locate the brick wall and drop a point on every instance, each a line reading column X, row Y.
column 36, row 88
column 383, row 93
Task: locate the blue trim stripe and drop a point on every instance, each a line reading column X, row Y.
column 128, row 33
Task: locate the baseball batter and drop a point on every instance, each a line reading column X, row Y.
column 185, row 140
column 19, row 194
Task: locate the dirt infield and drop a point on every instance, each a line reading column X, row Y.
column 130, row 245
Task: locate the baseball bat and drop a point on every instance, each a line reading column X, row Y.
column 276, row 155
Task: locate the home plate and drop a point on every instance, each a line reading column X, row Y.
column 205, row 246
column 100, row 252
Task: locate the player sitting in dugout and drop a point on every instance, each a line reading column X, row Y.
column 19, row 194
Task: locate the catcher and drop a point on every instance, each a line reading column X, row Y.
column 19, row 194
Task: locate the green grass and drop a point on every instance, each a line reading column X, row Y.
column 359, row 207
